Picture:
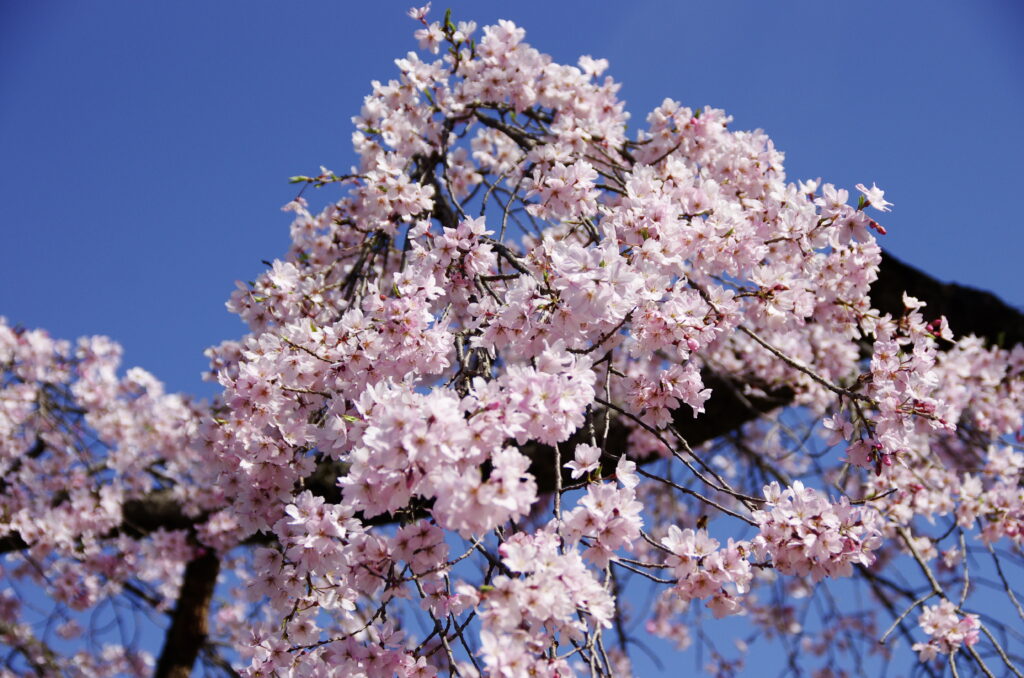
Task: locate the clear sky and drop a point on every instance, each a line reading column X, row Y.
column 145, row 147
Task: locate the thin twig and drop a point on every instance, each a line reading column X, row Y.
column 797, row 365
column 915, row 604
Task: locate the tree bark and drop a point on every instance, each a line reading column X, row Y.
column 189, row 624
column 968, row 310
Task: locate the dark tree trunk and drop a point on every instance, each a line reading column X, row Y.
column 189, row 624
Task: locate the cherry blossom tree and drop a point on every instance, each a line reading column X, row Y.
column 526, row 394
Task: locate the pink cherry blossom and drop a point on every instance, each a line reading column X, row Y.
column 524, row 358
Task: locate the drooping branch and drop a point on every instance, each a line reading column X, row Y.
column 968, row 310
column 39, row 655
column 724, row 412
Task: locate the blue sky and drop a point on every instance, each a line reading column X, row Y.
column 145, row 147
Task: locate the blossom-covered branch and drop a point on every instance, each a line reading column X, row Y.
column 520, row 362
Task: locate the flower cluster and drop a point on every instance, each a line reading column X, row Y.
column 805, row 534
column 557, row 596
column 996, row 495
column 424, row 445
column 706, row 571
column 608, row 516
column 948, row 630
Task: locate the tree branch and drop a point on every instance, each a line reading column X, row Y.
column 969, row 311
